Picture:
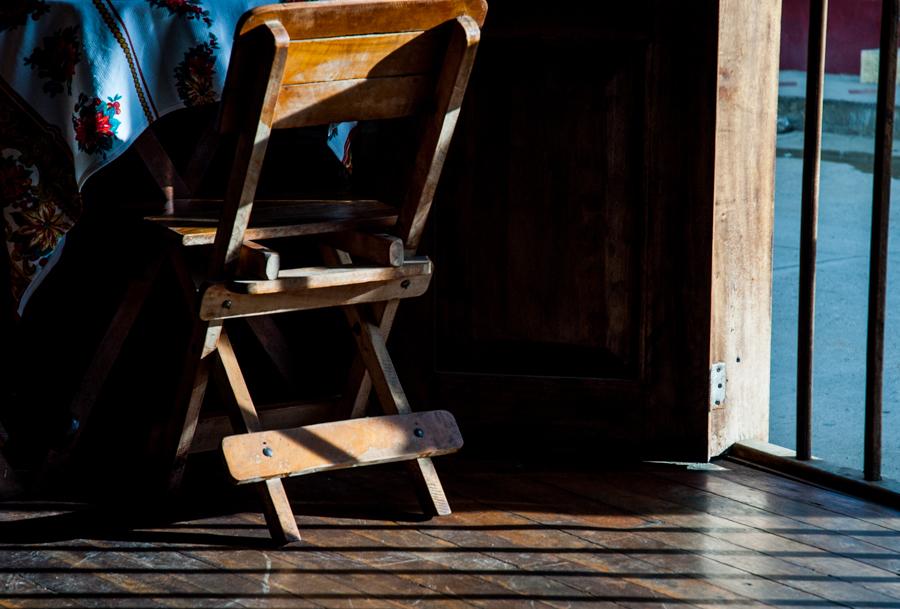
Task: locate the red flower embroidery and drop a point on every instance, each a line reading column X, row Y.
column 95, row 124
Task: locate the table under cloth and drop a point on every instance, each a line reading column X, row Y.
column 81, row 80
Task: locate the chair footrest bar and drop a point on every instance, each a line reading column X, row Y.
column 220, row 302
column 264, row 455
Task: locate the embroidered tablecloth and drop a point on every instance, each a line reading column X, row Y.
column 92, row 75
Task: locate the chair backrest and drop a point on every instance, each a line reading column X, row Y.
column 360, row 60
column 313, row 63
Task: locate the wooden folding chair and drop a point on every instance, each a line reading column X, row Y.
column 297, row 65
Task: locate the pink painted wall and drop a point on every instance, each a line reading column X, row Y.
column 853, row 25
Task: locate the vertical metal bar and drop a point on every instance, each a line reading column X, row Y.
column 809, row 219
column 881, row 207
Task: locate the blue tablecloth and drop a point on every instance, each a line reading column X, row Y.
column 95, row 74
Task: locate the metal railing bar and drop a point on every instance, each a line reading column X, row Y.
column 809, row 219
column 881, row 206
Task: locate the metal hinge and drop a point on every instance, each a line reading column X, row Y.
column 717, row 382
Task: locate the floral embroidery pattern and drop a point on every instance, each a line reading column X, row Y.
column 40, row 229
column 96, row 124
column 56, row 60
column 194, row 75
column 16, row 187
column 14, row 13
column 34, row 220
column 190, row 9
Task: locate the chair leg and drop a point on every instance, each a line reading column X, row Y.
column 190, row 394
column 279, row 516
column 359, row 382
column 373, row 351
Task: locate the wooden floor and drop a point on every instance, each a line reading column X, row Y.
column 652, row 536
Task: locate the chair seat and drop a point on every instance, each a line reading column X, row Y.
column 194, row 220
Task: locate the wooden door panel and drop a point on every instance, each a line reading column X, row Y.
column 539, row 240
column 573, row 235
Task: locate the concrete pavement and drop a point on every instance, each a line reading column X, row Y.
column 841, row 303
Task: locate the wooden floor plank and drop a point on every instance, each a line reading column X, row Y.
column 367, row 574
column 824, row 498
column 617, row 533
column 327, row 581
column 545, row 565
column 840, row 578
column 641, row 539
column 740, row 508
column 717, row 539
column 349, row 590
column 416, row 567
column 803, row 511
column 556, row 553
column 141, row 566
column 456, row 569
column 18, row 592
column 104, row 578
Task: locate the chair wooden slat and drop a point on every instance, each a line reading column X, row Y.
column 196, row 223
column 360, row 99
column 353, row 57
column 360, row 17
column 220, row 303
column 318, row 277
column 341, row 444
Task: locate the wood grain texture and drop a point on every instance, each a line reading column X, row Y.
column 343, row 100
column 339, row 445
column 438, row 129
column 265, row 53
column 197, row 220
column 382, row 249
column 218, row 302
column 256, row 261
column 642, row 537
column 332, row 18
column 352, row 57
column 514, row 327
column 278, row 78
column 318, row 277
column 743, row 217
column 372, row 349
column 277, row 508
column 622, row 180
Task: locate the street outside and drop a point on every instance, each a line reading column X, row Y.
column 841, row 311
